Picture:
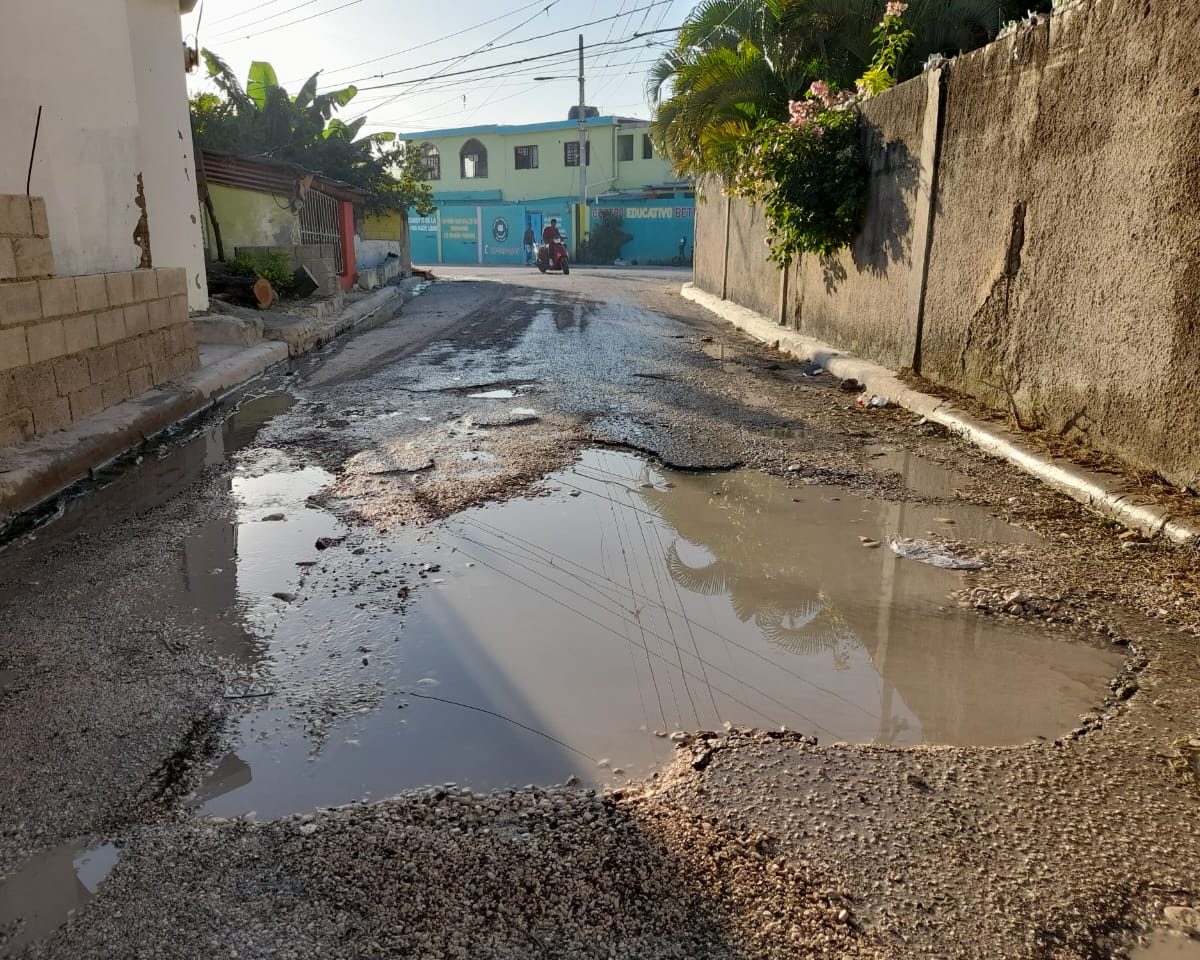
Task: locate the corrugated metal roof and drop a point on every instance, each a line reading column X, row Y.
column 272, row 176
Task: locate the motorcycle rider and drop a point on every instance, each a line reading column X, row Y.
column 552, row 239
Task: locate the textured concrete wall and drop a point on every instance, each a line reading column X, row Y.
column 708, row 260
column 109, row 77
column 879, row 276
column 73, row 346
column 753, row 280
column 249, row 219
column 1056, row 273
column 1064, row 275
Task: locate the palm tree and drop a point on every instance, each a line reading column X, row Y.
column 738, row 62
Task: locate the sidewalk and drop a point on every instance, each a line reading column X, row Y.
column 1102, row 492
column 34, row 471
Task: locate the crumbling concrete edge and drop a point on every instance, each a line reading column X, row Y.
column 1099, row 492
column 307, row 335
column 50, row 464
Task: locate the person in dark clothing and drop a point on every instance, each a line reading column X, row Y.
column 528, row 241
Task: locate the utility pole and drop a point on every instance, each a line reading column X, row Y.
column 582, row 135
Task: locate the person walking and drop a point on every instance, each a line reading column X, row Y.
column 528, row 240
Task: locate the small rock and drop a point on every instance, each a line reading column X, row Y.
column 284, row 596
column 308, row 829
column 660, row 733
column 1013, row 596
column 843, row 915
column 272, row 517
column 850, row 385
column 574, row 493
column 1184, row 919
column 869, row 543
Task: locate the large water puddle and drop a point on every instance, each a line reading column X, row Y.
column 571, row 633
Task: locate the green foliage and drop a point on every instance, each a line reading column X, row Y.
column 272, row 266
column 263, row 120
column 891, row 39
column 737, row 63
column 604, row 242
column 812, row 183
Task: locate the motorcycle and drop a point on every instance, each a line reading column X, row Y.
column 556, row 261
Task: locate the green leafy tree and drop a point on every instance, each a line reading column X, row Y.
column 262, row 119
column 738, row 63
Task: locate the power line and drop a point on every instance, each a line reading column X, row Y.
column 513, row 63
column 436, row 40
column 516, row 43
column 292, row 23
column 242, row 13
column 505, row 33
column 233, row 31
column 525, row 85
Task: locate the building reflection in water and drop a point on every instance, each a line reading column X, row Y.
column 792, row 561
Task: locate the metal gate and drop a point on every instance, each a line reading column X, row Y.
column 319, row 223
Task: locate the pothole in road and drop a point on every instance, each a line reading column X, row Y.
column 571, row 633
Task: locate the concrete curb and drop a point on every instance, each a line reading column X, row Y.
column 307, row 335
column 1099, row 492
column 44, row 466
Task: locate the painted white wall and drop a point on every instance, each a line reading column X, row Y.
column 109, row 76
column 165, row 139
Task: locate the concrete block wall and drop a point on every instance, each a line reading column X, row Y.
column 73, row 346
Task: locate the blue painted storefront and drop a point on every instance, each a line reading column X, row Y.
column 655, row 226
column 484, row 233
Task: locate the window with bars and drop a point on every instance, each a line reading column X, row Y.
column 472, row 160
column 647, row 147
column 431, row 160
column 625, row 146
column 525, row 158
column 571, row 153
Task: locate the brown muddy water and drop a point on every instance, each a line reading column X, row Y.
column 569, row 634
column 1164, row 945
column 39, row 897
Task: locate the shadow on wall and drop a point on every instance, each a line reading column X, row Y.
column 887, row 231
column 886, row 235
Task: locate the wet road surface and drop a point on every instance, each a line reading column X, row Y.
column 531, row 530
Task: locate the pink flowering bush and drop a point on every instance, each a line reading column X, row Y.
column 809, row 172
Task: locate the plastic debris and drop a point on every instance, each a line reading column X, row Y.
column 812, row 369
column 934, row 554
column 874, row 401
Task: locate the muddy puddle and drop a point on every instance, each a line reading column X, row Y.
column 40, row 896
column 569, row 634
column 1164, row 945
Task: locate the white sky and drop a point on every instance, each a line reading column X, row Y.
column 344, row 33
